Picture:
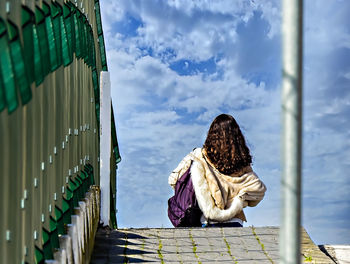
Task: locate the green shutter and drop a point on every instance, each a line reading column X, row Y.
column 43, row 41
column 54, row 233
column 59, row 220
column 74, row 187
column 100, row 36
column 2, row 87
column 18, row 63
column 67, row 15
column 98, row 18
column 97, row 94
column 112, row 212
column 71, row 35
column 93, row 54
column 115, row 140
column 55, row 14
column 95, row 84
column 39, row 256
column 7, row 71
column 50, row 37
column 81, row 34
column 90, row 45
column 86, row 46
column 66, row 209
column 97, row 108
column 60, row 30
column 90, row 171
column 101, row 43
column 78, row 52
column 67, row 58
column 38, row 63
column 47, row 244
column 28, row 42
column 2, row 94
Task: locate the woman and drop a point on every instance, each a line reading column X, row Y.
column 222, row 177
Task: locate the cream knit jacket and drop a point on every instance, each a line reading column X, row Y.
column 220, row 197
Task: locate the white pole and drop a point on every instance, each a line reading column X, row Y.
column 105, row 145
column 292, row 25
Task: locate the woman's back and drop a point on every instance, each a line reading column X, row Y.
column 221, row 173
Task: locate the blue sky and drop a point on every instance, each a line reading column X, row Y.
column 176, row 64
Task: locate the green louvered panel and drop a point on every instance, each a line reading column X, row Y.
column 2, row 94
column 56, row 14
column 69, row 21
column 66, row 210
column 73, row 187
column 82, row 35
column 86, row 40
column 67, row 206
column 7, row 71
column 98, row 18
column 102, row 52
column 28, row 23
column 50, row 37
column 79, row 181
column 67, row 15
column 39, row 256
column 18, row 63
column 92, row 47
column 90, row 171
column 112, row 212
column 85, row 178
column 66, row 54
column 47, row 247
column 38, row 64
column 59, row 220
column 93, row 53
column 54, row 233
column 96, row 86
column 78, row 51
column 115, row 140
column 100, row 36
column 96, row 93
column 43, row 41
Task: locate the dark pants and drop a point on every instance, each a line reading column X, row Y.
column 233, row 224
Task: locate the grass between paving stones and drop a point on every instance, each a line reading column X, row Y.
column 307, row 259
column 228, row 247
column 261, row 244
column 143, row 244
column 177, row 250
column 160, row 246
column 126, row 260
column 194, row 246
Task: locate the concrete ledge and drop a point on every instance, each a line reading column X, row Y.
column 339, row 253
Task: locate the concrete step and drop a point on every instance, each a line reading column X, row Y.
column 340, row 253
column 247, row 245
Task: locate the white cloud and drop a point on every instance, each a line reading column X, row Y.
column 193, row 29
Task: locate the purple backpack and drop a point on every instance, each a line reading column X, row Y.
column 183, row 209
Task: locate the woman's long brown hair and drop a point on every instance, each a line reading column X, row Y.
column 225, row 145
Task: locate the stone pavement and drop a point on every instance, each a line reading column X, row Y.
column 246, row 245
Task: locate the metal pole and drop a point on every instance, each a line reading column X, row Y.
column 292, row 25
column 105, row 146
